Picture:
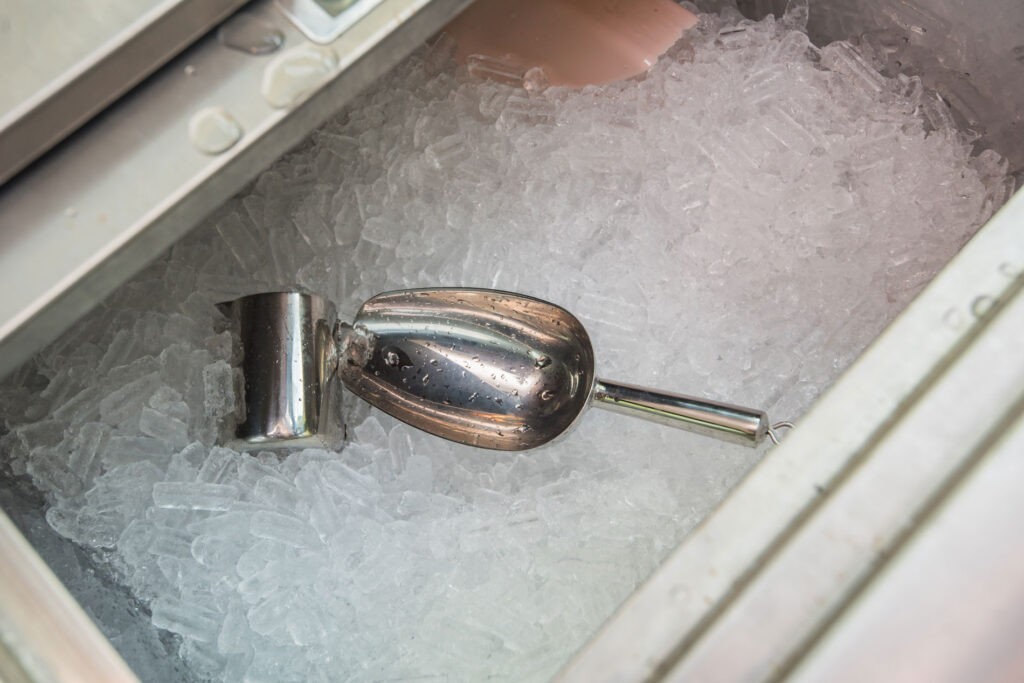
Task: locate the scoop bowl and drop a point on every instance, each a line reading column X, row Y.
column 481, row 367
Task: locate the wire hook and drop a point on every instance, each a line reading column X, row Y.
column 772, row 431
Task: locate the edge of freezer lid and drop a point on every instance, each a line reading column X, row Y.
column 93, row 230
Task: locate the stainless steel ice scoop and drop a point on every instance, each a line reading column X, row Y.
column 504, row 371
column 481, row 367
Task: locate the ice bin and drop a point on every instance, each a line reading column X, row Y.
column 780, row 580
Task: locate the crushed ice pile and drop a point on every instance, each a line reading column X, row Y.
column 739, row 223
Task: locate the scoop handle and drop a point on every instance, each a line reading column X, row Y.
column 723, row 421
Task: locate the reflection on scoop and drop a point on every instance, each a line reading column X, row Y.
column 481, row 367
column 575, row 42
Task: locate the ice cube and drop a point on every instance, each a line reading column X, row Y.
column 169, row 401
column 446, row 152
column 218, row 382
column 191, row 620
column 304, row 626
column 503, row 71
column 164, row 428
column 277, row 494
column 285, row 529
column 219, row 465
column 844, row 58
column 122, row 405
column 194, row 496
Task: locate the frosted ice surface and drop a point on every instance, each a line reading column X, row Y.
column 740, row 222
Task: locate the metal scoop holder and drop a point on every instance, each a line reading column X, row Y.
column 288, row 364
column 534, row 357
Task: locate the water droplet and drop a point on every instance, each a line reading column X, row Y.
column 294, row 73
column 190, row 70
column 250, row 34
column 472, row 397
column 547, row 395
column 426, row 379
column 433, row 361
column 391, row 358
column 519, row 406
column 542, row 362
column 953, row 319
column 213, row 130
column 499, row 401
column 1009, row 270
column 982, row 305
